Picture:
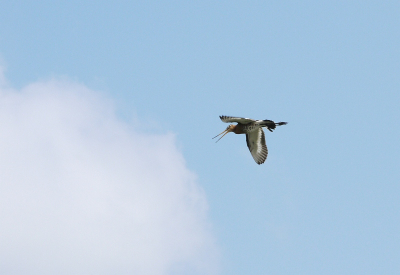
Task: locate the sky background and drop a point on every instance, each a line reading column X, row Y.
column 107, row 113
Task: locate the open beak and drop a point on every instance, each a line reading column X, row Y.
column 224, row 133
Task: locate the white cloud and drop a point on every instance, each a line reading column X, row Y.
column 82, row 192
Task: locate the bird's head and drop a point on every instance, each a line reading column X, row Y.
column 227, row 130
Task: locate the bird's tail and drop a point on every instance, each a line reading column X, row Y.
column 271, row 125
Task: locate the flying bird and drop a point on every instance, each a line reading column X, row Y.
column 255, row 137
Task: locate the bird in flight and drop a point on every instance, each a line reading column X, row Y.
column 255, row 137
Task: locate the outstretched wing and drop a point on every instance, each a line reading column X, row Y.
column 241, row 120
column 256, row 143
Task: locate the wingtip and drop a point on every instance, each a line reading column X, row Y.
column 281, row 123
column 222, row 118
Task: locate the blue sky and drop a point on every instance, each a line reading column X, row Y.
column 327, row 199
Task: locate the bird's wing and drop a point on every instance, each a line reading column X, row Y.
column 256, row 143
column 241, row 120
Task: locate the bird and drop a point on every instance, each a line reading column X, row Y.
column 255, row 137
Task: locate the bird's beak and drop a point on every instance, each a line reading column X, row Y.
column 224, row 133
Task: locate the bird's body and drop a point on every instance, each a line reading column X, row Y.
column 255, row 137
